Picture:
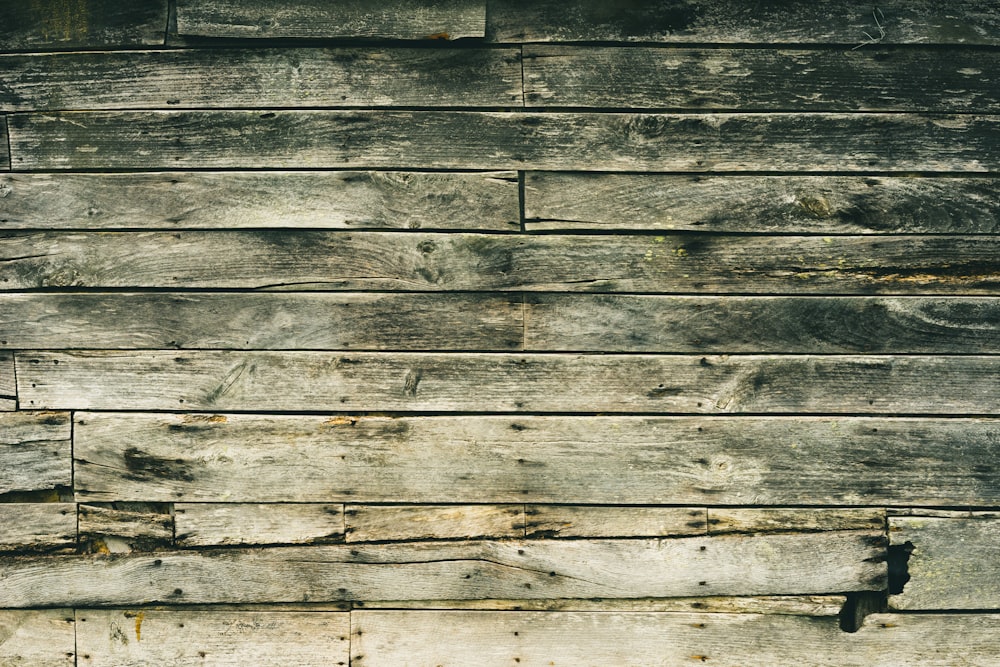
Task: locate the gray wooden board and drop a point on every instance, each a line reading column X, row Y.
column 504, row 140
column 337, row 260
column 531, row 569
column 8, row 382
column 783, row 204
column 120, row 530
column 736, row 324
column 611, row 521
column 375, row 523
column 579, row 460
column 755, row 520
column 26, row 527
column 219, row 78
column 35, row 451
column 496, row 382
column 4, row 145
column 143, row 637
column 760, row 79
column 224, row 524
column 283, row 199
column 392, row 19
column 72, row 24
column 842, row 22
column 288, row 321
column 38, row 638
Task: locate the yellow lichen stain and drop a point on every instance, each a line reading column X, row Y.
column 138, row 625
column 205, row 419
column 439, row 35
column 817, row 207
column 341, row 420
column 64, row 20
column 680, row 251
column 659, row 239
column 99, row 547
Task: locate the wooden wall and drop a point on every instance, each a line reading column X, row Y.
column 539, row 332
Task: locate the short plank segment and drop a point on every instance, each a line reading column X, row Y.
column 378, row 523
column 37, row 527
column 236, row 524
column 610, row 521
column 504, row 140
column 273, row 199
column 760, row 521
column 88, row 24
column 39, row 638
column 4, row 150
column 8, row 382
column 580, row 460
column 35, row 451
column 143, row 637
column 782, row 204
column 125, row 527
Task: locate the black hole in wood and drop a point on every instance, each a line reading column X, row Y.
column 899, row 571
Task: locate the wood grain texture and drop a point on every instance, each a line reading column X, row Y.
column 357, row 321
column 230, row 524
column 124, row 528
column 141, row 637
column 504, row 140
column 442, row 382
column 220, row 78
column 736, row 324
column 581, row 460
column 874, row 79
column 4, row 145
column 388, row 19
column 39, row 638
column 723, row 520
column 87, row 24
column 378, row 523
column 610, row 521
column 8, row 382
column 28, row 527
column 35, row 451
column 782, row 204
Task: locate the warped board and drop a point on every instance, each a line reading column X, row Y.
column 224, row 524
column 28, row 527
column 472, row 570
column 723, row 520
column 8, row 381
column 760, row 79
column 214, row 78
column 117, row 529
column 73, row 24
column 581, row 460
column 35, row 451
column 378, row 523
column 504, row 140
column 38, row 638
column 610, row 521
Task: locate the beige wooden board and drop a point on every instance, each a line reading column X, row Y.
column 610, row 521
column 783, row 204
column 723, row 520
column 8, row 382
column 141, row 637
column 416, row 382
column 37, row 638
column 264, row 321
column 225, row 524
column 125, row 529
column 582, row 460
column 26, row 527
column 220, row 78
column 35, row 451
column 724, row 142
column 375, row 523
column 533, row 569
column 392, row 19
column 72, row 24
column 273, row 199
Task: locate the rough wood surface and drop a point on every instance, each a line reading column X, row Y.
column 8, row 382
column 228, row 524
column 282, row 199
column 440, row 382
column 783, row 204
column 38, row 638
column 35, row 451
column 142, row 637
column 610, row 521
column 27, row 527
column 74, row 24
column 119, row 528
column 265, row 321
column 723, row 520
column 583, row 460
column 377, row 523
column 4, row 146
column 505, row 140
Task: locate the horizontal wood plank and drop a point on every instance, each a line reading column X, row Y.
column 580, row 460
column 231, row 524
column 39, row 638
column 610, row 521
column 8, row 382
column 376, row 523
column 35, row 451
column 27, row 527
column 119, row 528
column 504, row 140
column 723, row 520
column 87, row 24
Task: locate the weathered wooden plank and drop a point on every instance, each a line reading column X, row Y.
column 579, row 460
column 784, row 204
column 390, row 19
column 72, row 24
column 723, row 520
column 335, row 260
column 760, row 79
column 375, row 523
column 8, row 382
column 505, row 140
column 610, row 521
column 35, row 451
column 4, row 147
column 952, row 564
column 534, row 569
column 441, row 382
column 37, row 527
column 263, row 321
column 731, row 21
column 735, row 324
column 39, row 638
column 283, row 199
column 140, row 637
column 125, row 527
column 213, row 78
column 228, row 524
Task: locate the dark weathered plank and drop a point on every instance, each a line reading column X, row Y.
column 761, row 79
column 262, row 321
column 125, row 527
column 809, row 204
column 308, row 259
column 4, row 149
column 734, row 324
column 504, row 140
column 66, row 24
column 580, row 460
column 35, row 451
column 26, row 527
column 8, row 382
column 377, row 523
column 211, row 78
column 754, row 520
column 392, row 19
column 732, row 21
column 39, row 638
column 610, row 521
column 226, row 524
